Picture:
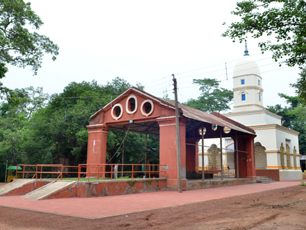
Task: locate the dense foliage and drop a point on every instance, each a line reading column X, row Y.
column 213, row 98
column 283, row 20
column 300, row 86
column 52, row 129
column 20, row 44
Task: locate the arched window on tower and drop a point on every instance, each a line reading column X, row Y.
column 243, row 97
column 259, row 97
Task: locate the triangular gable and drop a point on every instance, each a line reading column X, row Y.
column 146, row 108
column 136, row 91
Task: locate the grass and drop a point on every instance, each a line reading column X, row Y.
column 100, row 179
column 302, row 183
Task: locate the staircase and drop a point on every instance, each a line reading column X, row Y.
column 263, row 179
column 47, row 190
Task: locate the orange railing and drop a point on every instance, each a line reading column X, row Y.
column 39, row 170
column 93, row 170
column 101, row 170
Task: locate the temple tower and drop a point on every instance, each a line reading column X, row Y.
column 247, row 85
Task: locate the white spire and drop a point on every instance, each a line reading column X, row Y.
column 247, row 84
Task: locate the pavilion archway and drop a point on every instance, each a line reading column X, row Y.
column 141, row 112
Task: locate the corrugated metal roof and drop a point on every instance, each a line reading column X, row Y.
column 214, row 118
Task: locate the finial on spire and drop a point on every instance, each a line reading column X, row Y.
column 246, row 52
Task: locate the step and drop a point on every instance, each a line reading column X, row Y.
column 17, row 183
column 262, row 177
column 264, row 180
column 49, row 189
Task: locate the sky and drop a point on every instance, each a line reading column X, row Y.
column 145, row 42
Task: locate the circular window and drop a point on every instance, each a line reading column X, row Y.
column 147, row 108
column 214, row 127
column 226, row 130
column 117, row 111
column 200, row 131
column 131, row 105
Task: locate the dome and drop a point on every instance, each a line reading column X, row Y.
column 246, row 66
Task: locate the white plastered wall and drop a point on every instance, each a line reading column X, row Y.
column 289, row 174
column 267, row 138
column 258, row 117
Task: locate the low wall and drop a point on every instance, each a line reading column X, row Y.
column 270, row 173
column 191, row 185
column 29, row 187
column 109, row 188
column 285, row 174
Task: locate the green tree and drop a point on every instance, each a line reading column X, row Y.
column 293, row 117
column 19, row 142
column 66, row 116
column 213, row 98
column 43, row 129
column 19, row 45
column 300, row 86
column 134, row 147
column 282, row 19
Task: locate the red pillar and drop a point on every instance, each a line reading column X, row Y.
column 167, row 151
column 96, row 149
column 241, row 158
column 191, row 156
column 250, row 159
column 246, row 157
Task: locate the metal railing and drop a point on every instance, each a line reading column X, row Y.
column 98, row 171
column 39, row 170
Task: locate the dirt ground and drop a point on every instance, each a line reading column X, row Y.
column 276, row 209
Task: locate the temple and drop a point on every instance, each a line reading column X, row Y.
column 276, row 147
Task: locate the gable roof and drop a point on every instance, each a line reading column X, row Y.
column 213, row 118
column 185, row 111
column 128, row 93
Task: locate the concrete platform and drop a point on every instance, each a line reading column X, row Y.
column 286, row 175
column 217, row 182
column 107, row 206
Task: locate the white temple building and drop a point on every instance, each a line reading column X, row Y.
column 276, row 147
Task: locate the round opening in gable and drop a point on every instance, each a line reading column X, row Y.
column 147, row 108
column 200, row 131
column 214, row 127
column 226, row 130
column 131, row 104
column 117, row 111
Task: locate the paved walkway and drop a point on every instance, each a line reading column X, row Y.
column 99, row 207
